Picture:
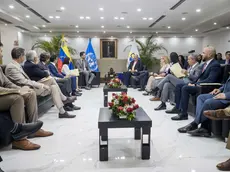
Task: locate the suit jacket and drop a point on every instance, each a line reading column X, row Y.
column 17, row 75
column 137, row 67
column 54, row 72
column 226, row 89
column 43, row 66
column 211, row 74
column 34, row 71
column 80, row 67
column 194, row 73
column 6, row 86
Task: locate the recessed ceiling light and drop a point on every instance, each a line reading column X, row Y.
column 43, row 25
column 198, row 10
column 11, row 6
column 78, row 31
column 227, row 27
column 190, row 36
column 131, row 32
column 128, row 27
column 57, row 17
column 27, row 16
column 51, row 17
column 104, row 32
column 87, row 17
column 35, row 27
column 169, row 27
column 116, row 18
column 102, row 26
column 62, row 8
column 50, row 31
column 122, row 18
column 76, row 26
column 5, row 24
column 215, row 23
column 102, row 18
column 156, row 32
column 196, row 30
column 23, row 31
column 144, row 18
column 183, row 18
column 150, row 18
column 101, row 9
column 81, row 17
column 139, row 10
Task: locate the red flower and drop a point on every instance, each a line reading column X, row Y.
column 113, row 94
column 120, row 108
column 123, row 93
column 110, row 104
column 125, row 99
column 136, row 106
column 129, row 110
column 133, row 100
column 116, row 96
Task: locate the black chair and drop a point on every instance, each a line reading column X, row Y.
column 96, row 80
column 135, row 83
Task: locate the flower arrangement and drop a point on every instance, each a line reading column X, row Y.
column 123, row 106
column 115, row 83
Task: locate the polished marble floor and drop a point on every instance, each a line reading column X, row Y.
column 74, row 146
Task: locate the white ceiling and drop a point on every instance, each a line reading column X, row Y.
column 211, row 11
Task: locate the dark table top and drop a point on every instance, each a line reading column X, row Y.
column 123, row 88
column 107, row 120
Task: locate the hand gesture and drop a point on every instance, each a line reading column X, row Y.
column 220, row 96
column 215, row 91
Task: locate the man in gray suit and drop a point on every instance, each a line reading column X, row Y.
column 16, row 100
column 170, row 81
column 44, row 87
column 83, row 66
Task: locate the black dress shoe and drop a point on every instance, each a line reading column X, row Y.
column 200, row 132
column 66, row 115
column 79, row 90
column 70, row 100
column 27, row 129
column 134, row 87
column 180, row 117
column 187, row 128
column 146, row 94
column 141, row 89
column 76, row 107
column 68, row 108
column 162, row 106
column 174, row 110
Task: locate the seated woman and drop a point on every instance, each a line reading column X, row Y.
column 155, row 78
column 66, row 71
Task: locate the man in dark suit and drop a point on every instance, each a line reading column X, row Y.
column 210, row 72
column 134, row 68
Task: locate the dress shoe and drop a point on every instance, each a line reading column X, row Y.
column 70, row 100
column 141, row 89
column 202, row 132
column 87, row 88
column 187, row 128
column 224, row 166
column 24, row 145
column 180, row 117
column 155, row 99
column 162, row 106
column 76, row 107
column 79, row 90
column 42, row 133
column 76, row 94
column 27, row 129
column 174, row 110
column 68, row 108
column 66, row 115
column 134, row 87
column 146, row 94
column 216, row 114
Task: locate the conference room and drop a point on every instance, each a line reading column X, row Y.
column 125, row 85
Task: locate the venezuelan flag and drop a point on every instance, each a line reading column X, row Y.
column 64, row 52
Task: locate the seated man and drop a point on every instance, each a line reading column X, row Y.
column 134, row 68
column 170, row 81
column 54, row 72
column 16, row 100
column 83, row 67
column 44, row 87
column 217, row 99
column 63, row 83
column 211, row 72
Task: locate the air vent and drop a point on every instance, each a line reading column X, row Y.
column 20, row 27
column 32, row 10
column 211, row 30
column 5, row 21
column 124, row 12
column 163, row 16
column 177, row 4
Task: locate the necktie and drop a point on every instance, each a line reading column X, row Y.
column 204, row 67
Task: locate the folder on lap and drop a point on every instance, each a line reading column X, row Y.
column 176, row 70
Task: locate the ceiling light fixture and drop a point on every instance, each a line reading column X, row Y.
column 36, row 27
column 50, row 31
column 144, row 18
column 122, row 18
column 11, row 6
column 43, row 25
column 51, row 17
column 76, row 26
column 23, row 31
column 196, row 30
column 215, row 23
column 150, row 18
column 102, row 18
column 57, row 17
column 198, row 10
column 5, row 24
column 62, row 8
column 227, row 27
column 116, row 18
column 87, row 18
column 27, row 16
column 104, row 32
column 101, row 9
column 128, row 27
column 81, row 17
column 183, row 18
column 139, row 10
column 190, row 36
column 102, row 26
column 156, row 32
column 131, row 32
column 78, row 31
column 169, row 27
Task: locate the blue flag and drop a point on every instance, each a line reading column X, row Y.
column 91, row 57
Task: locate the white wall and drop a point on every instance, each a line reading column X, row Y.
column 221, row 41
column 179, row 45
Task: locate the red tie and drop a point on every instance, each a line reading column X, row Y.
column 204, row 67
